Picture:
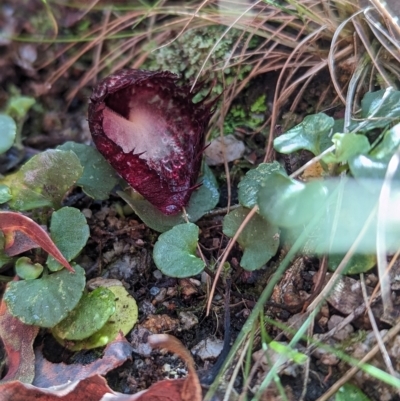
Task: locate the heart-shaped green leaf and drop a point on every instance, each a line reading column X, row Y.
column 175, row 251
column 28, row 270
column 8, row 130
column 48, row 300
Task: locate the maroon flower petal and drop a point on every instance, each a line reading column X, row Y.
column 148, row 128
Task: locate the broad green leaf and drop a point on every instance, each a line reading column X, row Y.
column 286, row 202
column 48, row 300
column 98, row 178
column 70, row 232
column 349, row 392
column 28, row 270
column 358, row 263
column 250, row 184
column 368, row 167
column 259, row 239
column 8, row 130
column 5, row 193
column 18, row 106
column 313, row 134
column 88, row 317
column 389, row 144
column 175, row 251
column 380, row 108
column 202, row 200
column 347, row 146
column 43, row 180
column 122, row 320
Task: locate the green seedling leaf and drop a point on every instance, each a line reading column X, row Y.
column 347, row 146
column 122, row 320
column 18, row 106
column 358, row 263
column 286, row 202
column 47, row 300
column 70, row 232
column 349, row 392
column 43, row 180
column 249, row 186
column 288, row 352
column 175, row 251
column 380, row 108
column 28, row 270
column 98, row 178
column 259, row 239
column 5, row 193
column 8, row 130
column 313, row 134
column 365, row 166
column 11, row 222
column 89, row 316
column 202, row 200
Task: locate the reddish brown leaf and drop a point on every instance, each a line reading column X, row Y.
column 11, row 222
column 49, row 374
column 147, row 127
column 17, row 339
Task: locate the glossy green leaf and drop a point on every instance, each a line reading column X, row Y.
column 251, row 183
column 98, row 178
column 380, row 108
column 8, row 130
column 43, row 180
column 175, row 251
column 122, row 320
column 389, row 144
column 259, row 239
column 286, row 202
column 202, row 200
column 358, row 263
column 28, row 270
column 349, row 392
column 365, row 166
column 347, row 146
column 88, row 317
column 48, row 300
column 5, row 193
column 313, row 134
column 70, row 232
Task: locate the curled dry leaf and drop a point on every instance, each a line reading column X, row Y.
column 12, row 222
column 17, row 338
column 147, row 127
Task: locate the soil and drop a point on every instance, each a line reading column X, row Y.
column 120, row 246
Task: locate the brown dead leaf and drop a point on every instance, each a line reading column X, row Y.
column 12, row 222
column 18, row 339
column 49, row 374
column 91, row 389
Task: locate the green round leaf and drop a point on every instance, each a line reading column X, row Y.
column 123, row 319
column 251, row 183
column 259, row 239
column 358, row 263
column 175, row 251
column 70, row 232
column 311, row 134
column 8, row 130
column 89, row 316
column 18, row 106
column 48, row 300
column 28, row 270
column 98, row 178
column 43, row 180
column 349, row 392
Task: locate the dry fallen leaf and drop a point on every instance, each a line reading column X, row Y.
column 49, row 374
column 12, row 222
column 17, row 339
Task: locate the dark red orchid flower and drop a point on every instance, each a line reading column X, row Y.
column 148, row 128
